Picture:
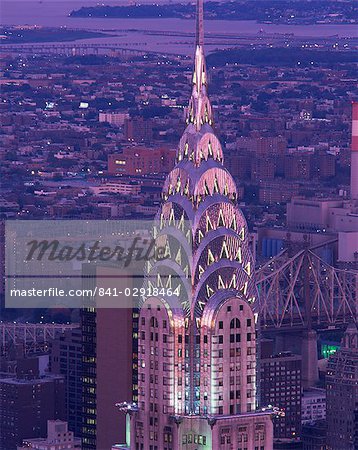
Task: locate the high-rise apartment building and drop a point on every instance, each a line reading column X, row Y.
column 197, row 349
column 27, row 401
column 280, row 385
column 66, row 360
column 342, row 393
column 109, row 372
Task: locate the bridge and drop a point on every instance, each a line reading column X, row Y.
column 35, row 337
column 304, row 292
column 302, row 296
column 74, row 49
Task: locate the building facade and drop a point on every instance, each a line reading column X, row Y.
column 280, row 385
column 141, row 160
column 342, row 393
column 66, row 360
column 109, row 374
column 27, row 401
column 109, row 365
column 313, row 405
column 197, row 348
column 138, row 129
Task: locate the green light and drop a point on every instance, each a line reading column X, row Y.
column 128, row 430
column 328, row 350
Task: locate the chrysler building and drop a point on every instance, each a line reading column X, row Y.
column 197, row 348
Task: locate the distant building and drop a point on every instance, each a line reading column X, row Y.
column 277, row 192
column 324, row 165
column 239, row 164
column 58, row 438
column 342, row 393
column 141, row 160
column 262, row 146
column 138, row 129
column 317, row 214
column 297, row 167
column 117, row 187
column 116, row 119
column 262, row 169
column 313, row 405
column 337, row 216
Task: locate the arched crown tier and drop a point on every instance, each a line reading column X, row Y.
column 199, row 147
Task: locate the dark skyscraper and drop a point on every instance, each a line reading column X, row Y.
column 280, row 385
column 342, row 394
column 66, row 360
column 109, row 372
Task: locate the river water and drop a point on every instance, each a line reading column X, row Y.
column 134, row 32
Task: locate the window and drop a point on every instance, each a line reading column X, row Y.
column 221, row 325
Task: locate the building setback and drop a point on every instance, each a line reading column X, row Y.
column 58, row 438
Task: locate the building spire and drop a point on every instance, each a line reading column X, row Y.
column 199, row 23
column 199, row 111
